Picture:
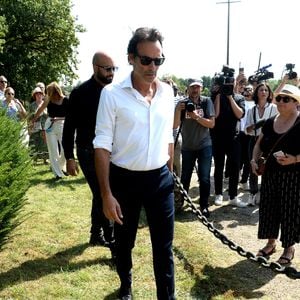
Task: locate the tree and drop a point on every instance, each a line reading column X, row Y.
column 40, row 43
column 15, row 165
column 3, row 31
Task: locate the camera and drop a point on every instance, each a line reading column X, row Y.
column 260, row 124
column 225, row 80
column 261, row 75
column 291, row 73
column 189, row 105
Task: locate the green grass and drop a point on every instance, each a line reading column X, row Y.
column 49, row 257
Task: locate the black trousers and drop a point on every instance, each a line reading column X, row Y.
column 100, row 224
column 230, row 147
column 245, row 156
column 152, row 190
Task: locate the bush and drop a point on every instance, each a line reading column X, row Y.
column 15, row 166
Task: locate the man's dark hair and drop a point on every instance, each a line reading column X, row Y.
column 143, row 34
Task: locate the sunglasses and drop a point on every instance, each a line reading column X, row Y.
column 108, row 68
column 285, row 99
column 10, row 94
column 3, row 81
column 146, row 60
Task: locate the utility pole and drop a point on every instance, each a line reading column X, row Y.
column 228, row 25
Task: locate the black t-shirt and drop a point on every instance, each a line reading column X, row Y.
column 57, row 110
column 81, row 117
column 226, row 122
column 289, row 144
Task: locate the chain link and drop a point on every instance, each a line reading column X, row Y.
column 262, row 261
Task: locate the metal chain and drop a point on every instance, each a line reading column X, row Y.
column 276, row 267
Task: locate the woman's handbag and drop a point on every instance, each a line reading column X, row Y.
column 261, row 165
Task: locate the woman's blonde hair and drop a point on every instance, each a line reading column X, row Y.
column 53, row 88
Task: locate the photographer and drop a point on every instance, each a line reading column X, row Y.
column 256, row 117
column 229, row 108
column 196, row 115
column 289, row 77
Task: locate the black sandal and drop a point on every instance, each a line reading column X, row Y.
column 264, row 253
column 287, row 260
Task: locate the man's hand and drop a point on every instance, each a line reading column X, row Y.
column 72, row 167
column 112, row 209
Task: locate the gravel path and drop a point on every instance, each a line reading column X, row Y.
column 240, row 225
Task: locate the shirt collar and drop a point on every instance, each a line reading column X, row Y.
column 127, row 83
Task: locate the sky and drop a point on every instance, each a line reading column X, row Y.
column 195, row 34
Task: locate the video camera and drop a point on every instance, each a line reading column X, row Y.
column 291, row 73
column 225, row 80
column 260, row 75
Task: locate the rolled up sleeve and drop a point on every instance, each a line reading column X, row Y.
column 105, row 122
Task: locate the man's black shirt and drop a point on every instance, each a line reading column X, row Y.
column 81, row 117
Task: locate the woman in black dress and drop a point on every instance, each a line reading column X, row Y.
column 280, row 187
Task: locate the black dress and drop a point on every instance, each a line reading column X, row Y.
column 280, row 188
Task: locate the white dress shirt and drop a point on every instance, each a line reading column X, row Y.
column 270, row 111
column 136, row 132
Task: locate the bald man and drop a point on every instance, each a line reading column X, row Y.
column 81, row 118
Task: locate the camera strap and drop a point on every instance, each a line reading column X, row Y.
column 177, row 135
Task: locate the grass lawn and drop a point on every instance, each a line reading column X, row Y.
column 48, row 256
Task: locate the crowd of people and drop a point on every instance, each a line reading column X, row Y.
column 248, row 122
column 124, row 136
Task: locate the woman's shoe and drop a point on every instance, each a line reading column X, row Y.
column 286, row 259
column 264, row 253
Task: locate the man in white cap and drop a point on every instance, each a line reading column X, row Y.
column 196, row 115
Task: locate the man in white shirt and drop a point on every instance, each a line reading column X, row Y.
column 133, row 155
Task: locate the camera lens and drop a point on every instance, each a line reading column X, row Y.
column 292, row 75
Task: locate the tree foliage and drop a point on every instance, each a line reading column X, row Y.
column 40, row 43
column 15, row 166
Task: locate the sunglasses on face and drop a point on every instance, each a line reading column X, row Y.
column 285, row 99
column 146, row 60
column 108, row 68
column 10, row 94
column 3, row 81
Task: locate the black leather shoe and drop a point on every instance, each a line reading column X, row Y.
column 98, row 240
column 205, row 212
column 125, row 294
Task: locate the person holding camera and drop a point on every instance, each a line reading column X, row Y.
column 290, row 77
column 256, row 117
column 279, row 208
column 196, row 115
column 229, row 108
column 245, row 138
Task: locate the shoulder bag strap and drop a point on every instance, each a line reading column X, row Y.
column 254, row 119
column 281, row 137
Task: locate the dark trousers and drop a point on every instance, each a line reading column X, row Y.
column 204, row 157
column 229, row 146
column 253, row 180
column 245, row 156
column 100, row 224
column 152, row 190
